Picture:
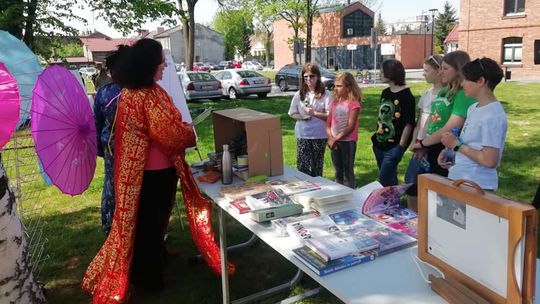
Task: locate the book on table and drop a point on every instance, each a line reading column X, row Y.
column 340, row 244
column 280, row 224
column 239, row 205
column 270, row 205
column 328, row 194
column 235, row 191
column 383, row 205
column 321, row 267
column 389, row 240
column 291, row 187
column 312, row 228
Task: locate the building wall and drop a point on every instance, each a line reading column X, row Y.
column 483, row 27
column 327, row 36
column 209, row 45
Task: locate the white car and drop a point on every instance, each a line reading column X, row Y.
column 237, row 83
column 252, row 65
column 87, row 71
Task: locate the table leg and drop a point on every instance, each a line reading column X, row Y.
column 223, row 252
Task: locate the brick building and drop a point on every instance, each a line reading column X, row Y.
column 341, row 36
column 507, row 31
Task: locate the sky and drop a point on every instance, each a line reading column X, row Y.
column 391, row 11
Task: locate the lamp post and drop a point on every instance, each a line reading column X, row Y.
column 433, row 11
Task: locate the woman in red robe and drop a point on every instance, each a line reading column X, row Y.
column 150, row 140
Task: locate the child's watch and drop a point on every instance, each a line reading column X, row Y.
column 458, row 145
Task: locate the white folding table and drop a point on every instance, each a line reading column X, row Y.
column 394, row 278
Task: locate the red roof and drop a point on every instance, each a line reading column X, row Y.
column 105, row 45
column 453, row 36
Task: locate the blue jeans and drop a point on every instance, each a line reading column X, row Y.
column 387, row 161
column 411, row 176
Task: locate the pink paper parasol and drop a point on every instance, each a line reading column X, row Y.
column 10, row 102
column 63, row 129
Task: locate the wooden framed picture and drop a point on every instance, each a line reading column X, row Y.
column 485, row 242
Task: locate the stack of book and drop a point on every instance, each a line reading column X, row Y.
column 327, row 249
column 389, row 239
column 327, row 199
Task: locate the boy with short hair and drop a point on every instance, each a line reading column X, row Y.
column 481, row 142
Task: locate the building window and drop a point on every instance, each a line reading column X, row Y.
column 537, row 52
column 512, row 47
column 514, row 7
column 357, row 24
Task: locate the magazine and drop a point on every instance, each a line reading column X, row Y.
column 383, row 205
column 322, row 268
column 340, row 244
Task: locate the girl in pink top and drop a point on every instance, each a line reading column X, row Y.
column 342, row 127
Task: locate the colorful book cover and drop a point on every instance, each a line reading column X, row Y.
column 393, row 215
column 353, row 219
column 322, row 268
column 340, row 244
column 273, row 198
column 384, row 198
column 390, row 240
column 240, row 206
column 409, row 227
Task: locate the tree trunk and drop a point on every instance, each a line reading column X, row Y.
column 267, row 47
column 192, row 30
column 29, row 27
column 295, row 41
column 17, row 282
column 187, row 45
column 308, row 32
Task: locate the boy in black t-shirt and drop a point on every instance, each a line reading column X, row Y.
column 395, row 122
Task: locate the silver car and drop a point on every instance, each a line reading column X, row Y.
column 237, row 83
column 199, row 85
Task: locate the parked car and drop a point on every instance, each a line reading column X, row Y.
column 223, row 65
column 87, row 71
column 200, row 85
column 213, row 66
column 237, row 64
column 289, row 76
column 252, row 65
column 199, row 66
column 238, row 83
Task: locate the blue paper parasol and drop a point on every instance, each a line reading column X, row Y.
column 23, row 64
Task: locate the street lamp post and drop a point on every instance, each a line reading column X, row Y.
column 433, row 11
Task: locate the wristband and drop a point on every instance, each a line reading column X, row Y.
column 458, row 145
column 421, row 142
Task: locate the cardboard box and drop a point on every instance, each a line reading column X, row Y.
column 263, row 132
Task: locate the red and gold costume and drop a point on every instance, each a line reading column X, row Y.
column 144, row 116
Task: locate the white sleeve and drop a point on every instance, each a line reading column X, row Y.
column 328, row 100
column 493, row 132
column 295, row 103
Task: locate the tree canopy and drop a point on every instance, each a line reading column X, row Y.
column 444, row 23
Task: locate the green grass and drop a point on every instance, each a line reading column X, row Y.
column 72, row 224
